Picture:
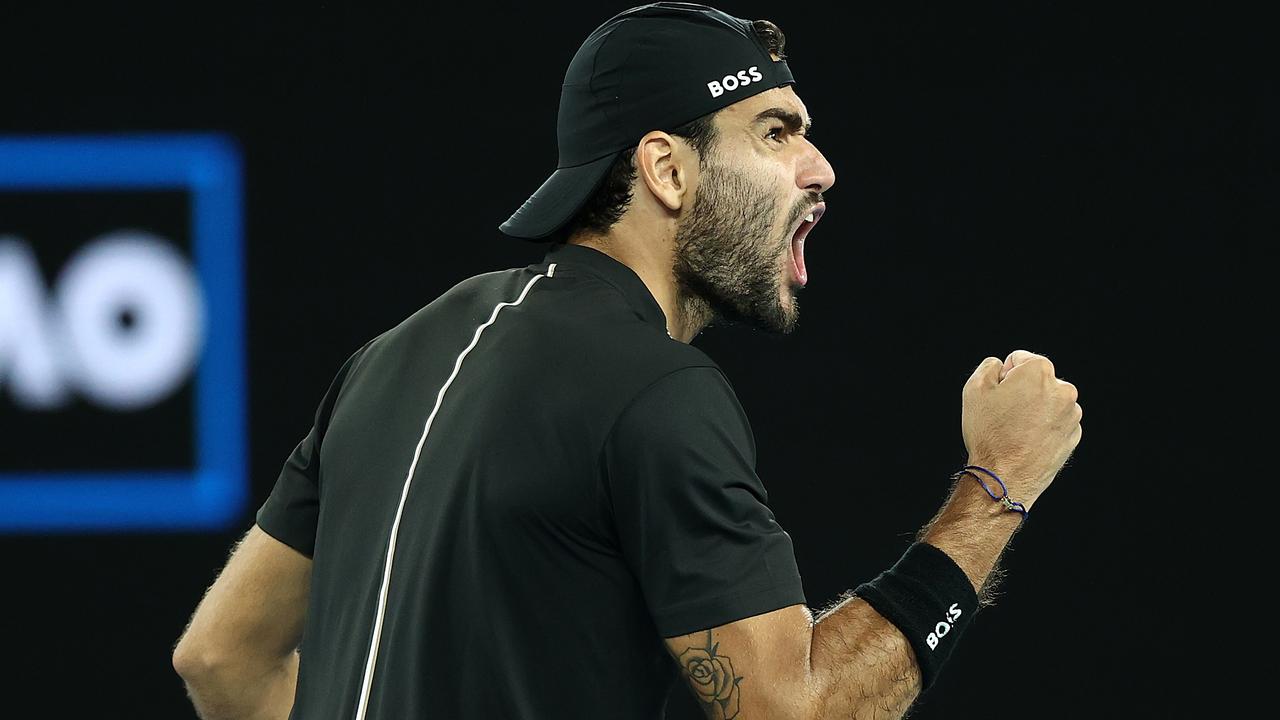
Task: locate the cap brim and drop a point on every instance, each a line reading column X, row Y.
column 558, row 200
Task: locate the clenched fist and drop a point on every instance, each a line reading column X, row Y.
column 1020, row 421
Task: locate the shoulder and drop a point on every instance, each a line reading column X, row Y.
column 688, row 390
column 690, row 406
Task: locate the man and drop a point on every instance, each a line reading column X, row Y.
column 534, row 499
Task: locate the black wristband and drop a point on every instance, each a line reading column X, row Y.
column 930, row 599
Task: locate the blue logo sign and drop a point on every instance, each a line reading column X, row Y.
column 122, row 386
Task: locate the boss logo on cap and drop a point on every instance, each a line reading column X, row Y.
column 742, row 78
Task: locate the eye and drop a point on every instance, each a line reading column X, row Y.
column 775, row 132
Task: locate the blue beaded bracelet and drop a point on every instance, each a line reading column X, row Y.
column 1002, row 498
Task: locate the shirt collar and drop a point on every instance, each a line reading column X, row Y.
column 617, row 274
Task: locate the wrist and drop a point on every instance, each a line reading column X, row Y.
column 1014, row 480
column 972, row 529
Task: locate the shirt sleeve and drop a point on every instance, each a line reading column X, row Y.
column 291, row 511
column 691, row 512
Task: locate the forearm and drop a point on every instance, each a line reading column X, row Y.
column 259, row 692
column 861, row 664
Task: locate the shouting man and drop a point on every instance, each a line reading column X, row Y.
column 535, row 499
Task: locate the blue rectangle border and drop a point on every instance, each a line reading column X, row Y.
column 213, row 494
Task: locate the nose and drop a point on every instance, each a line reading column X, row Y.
column 814, row 173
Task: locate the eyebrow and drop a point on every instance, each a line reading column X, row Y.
column 791, row 119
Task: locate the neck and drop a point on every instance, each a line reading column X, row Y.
column 686, row 314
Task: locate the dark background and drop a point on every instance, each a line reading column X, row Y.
column 1083, row 182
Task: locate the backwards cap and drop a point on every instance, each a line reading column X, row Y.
column 653, row 67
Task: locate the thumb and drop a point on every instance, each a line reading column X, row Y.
column 1016, row 358
column 987, row 374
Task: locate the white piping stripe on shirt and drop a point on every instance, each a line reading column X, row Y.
column 372, row 660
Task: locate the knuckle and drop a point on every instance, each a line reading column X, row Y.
column 1043, row 364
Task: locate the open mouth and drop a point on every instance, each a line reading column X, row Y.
column 797, row 242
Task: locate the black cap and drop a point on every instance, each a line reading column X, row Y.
column 653, row 67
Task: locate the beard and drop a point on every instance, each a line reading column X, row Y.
column 726, row 263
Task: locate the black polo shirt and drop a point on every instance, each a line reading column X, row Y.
column 513, row 496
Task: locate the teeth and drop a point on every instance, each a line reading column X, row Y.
column 809, row 217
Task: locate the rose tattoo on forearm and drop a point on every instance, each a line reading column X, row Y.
column 712, row 679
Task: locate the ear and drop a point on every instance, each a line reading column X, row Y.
column 661, row 166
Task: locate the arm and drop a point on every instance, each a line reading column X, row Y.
column 851, row 662
column 238, row 656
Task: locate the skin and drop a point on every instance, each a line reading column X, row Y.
column 714, row 243
column 238, row 656
column 1018, row 419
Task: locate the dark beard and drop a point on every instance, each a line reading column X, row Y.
column 726, row 265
